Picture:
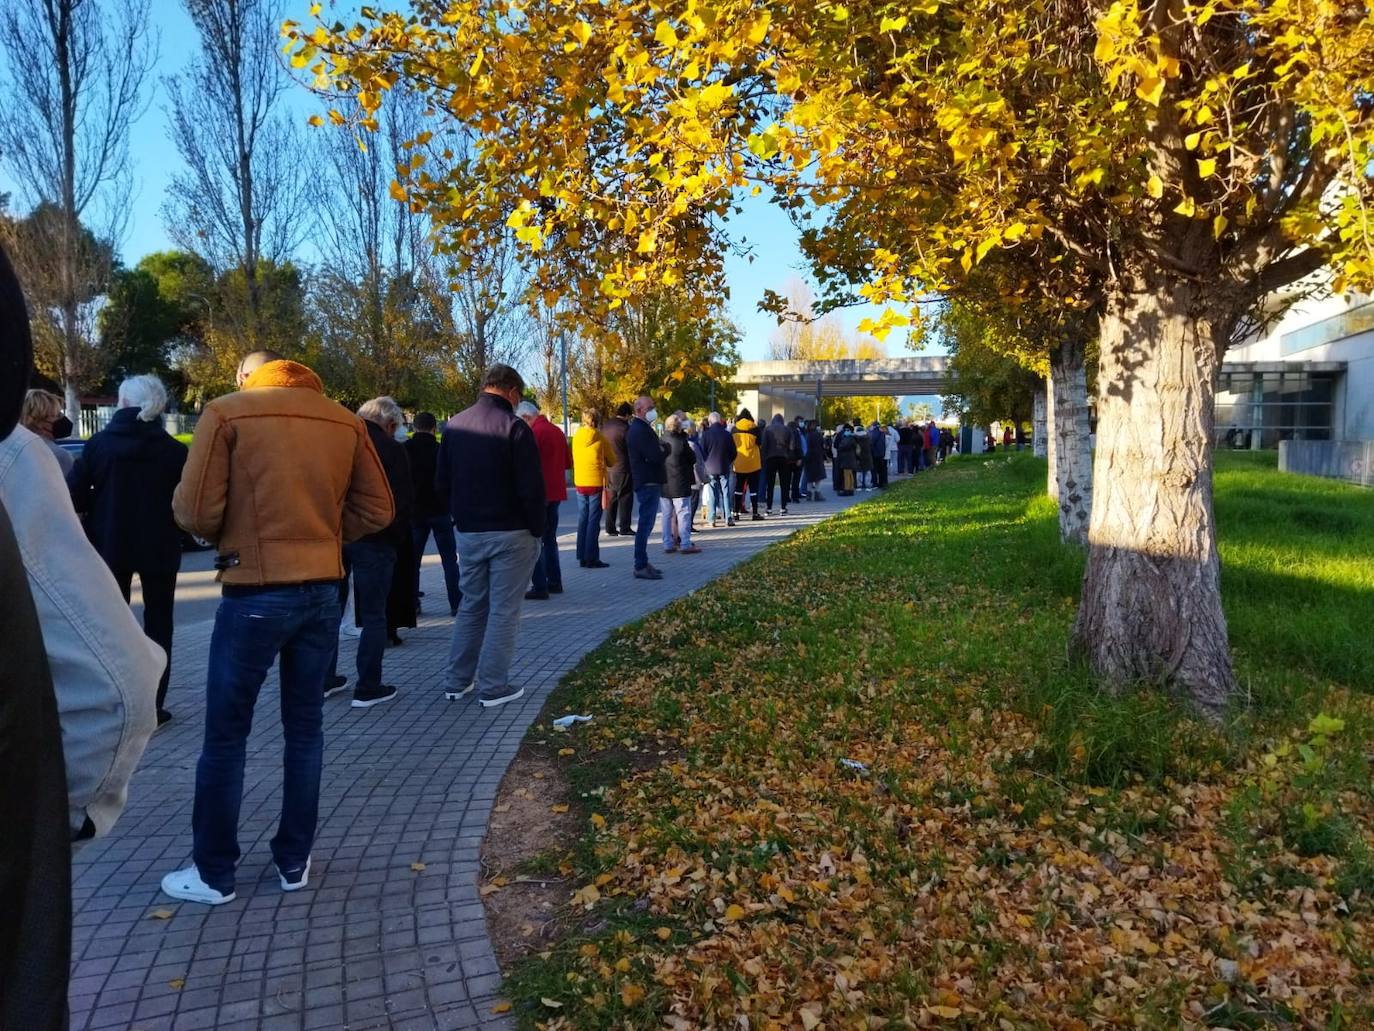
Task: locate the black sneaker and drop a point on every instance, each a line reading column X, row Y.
column 757, row 518
column 452, row 694
column 295, row 879
column 536, row 595
column 501, row 696
column 597, row 564
column 366, row 698
column 334, row 685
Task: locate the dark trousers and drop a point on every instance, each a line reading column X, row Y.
column 441, row 527
column 880, row 471
column 547, row 572
column 252, row 627
column 648, row 498
column 778, row 469
column 751, row 481
column 905, row 453
column 159, row 596
column 797, row 481
column 373, row 565
column 622, row 504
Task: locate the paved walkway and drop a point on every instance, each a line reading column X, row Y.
column 375, row 941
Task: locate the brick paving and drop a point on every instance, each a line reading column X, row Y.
column 372, row 942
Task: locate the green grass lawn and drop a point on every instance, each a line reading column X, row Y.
column 857, row 783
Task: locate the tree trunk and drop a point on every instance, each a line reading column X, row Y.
column 1052, row 448
column 1039, row 436
column 1151, row 609
column 1073, row 458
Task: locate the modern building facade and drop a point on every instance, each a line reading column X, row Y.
column 1309, row 376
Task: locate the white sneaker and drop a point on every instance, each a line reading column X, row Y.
column 454, row 693
column 187, row 886
column 301, row 880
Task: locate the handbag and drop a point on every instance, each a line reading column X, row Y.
column 605, row 498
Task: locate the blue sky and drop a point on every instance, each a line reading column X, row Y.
column 777, row 258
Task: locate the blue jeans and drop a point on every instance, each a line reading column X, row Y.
column 547, row 572
column 646, row 498
column 373, row 565
column 589, row 527
column 442, row 528
column 677, row 520
column 252, row 627
column 716, row 492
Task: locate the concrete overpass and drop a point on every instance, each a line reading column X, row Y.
column 794, row 387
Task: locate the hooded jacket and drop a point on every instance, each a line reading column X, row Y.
column 780, row 441
column 280, row 476
column 123, row 483
column 747, row 457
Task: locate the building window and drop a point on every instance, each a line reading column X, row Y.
column 1261, row 409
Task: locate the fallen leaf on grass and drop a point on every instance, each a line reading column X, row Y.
column 948, row 1012
column 664, row 933
column 734, row 912
column 552, row 1004
column 631, row 994
column 493, row 885
column 810, row 1015
column 567, row 751
column 561, row 808
column 598, row 821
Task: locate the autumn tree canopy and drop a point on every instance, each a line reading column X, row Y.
column 1167, row 162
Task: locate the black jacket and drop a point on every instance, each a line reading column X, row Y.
column 422, row 450
column 489, row 470
column 397, row 468
column 614, row 430
column 680, row 463
column 123, row 483
column 780, row 441
column 718, row 445
column 845, row 448
column 646, row 455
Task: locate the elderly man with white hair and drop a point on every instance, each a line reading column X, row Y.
column 123, row 483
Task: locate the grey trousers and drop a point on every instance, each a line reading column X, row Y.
column 495, row 571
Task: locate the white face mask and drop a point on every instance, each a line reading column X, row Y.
column 401, row 432
column 651, row 415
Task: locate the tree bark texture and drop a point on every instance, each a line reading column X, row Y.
column 1039, row 432
column 1151, row 607
column 1073, row 458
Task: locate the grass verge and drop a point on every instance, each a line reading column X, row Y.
column 856, row 783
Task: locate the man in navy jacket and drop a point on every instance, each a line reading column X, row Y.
column 489, row 471
column 718, row 447
column 648, row 475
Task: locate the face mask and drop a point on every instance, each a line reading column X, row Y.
column 651, row 415
column 61, row 428
column 401, row 434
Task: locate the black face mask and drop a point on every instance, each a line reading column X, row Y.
column 61, row 428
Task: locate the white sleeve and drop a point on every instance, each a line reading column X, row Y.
column 104, row 670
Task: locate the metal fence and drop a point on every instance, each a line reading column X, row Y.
column 93, row 420
column 1349, row 460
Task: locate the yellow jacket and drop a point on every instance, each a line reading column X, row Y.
column 747, row 458
column 592, row 456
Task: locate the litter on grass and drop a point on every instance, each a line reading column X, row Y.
column 565, row 722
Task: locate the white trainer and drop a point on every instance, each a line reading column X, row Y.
column 187, row 886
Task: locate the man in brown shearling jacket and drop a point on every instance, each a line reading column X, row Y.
column 279, row 476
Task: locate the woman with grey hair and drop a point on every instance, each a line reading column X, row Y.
column 382, row 563
column 122, row 484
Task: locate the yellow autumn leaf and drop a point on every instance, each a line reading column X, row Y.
column 177, row 982
column 1219, row 225
column 582, row 32
column 663, row 934
column 947, row 1012
column 631, row 995
column 1207, row 167
column 598, row 821
column 734, row 912
column 397, row 191
column 1155, row 187
column 1150, row 90
column 664, row 35
column 476, row 65
column 1187, row 207
column 315, row 120
column 417, row 866
column 1014, row 231
column 562, row 807
column 1192, row 140
column 567, row 751
column 501, row 1007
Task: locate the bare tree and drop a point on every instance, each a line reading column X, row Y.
column 241, row 198
column 73, row 86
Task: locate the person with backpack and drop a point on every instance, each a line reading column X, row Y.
column 779, row 447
